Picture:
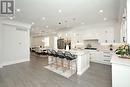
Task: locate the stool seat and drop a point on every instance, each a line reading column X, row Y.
column 49, row 52
column 69, row 56
column 61, row 54
column 54, row 53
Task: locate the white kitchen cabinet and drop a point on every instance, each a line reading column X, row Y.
column 107, row 36
column 120, row 72
column 106, row 56
column 95, row 56
column 103, row 57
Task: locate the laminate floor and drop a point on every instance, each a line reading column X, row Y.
column 33, row 74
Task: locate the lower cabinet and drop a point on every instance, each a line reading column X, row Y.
column 120, row 75
column 100, row 57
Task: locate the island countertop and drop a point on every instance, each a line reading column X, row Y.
column 117, row 60
column 77, row 52
column 74, row 51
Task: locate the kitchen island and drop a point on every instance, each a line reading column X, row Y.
column 82, row 61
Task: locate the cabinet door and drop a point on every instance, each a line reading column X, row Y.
column 120, row 75
column 92, row 56
column 107, row 36
column 95, row 56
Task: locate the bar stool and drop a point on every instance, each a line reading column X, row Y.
column 61, row 57
column 50, row 56
column 49, row 53
column 69, row 57
column 55, row 56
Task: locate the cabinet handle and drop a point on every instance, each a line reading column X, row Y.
column 107, row 60
column 106, row 52
column 106, row 56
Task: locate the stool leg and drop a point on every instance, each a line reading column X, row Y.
column 75, row 65
column 63, row 64
column 51, row 61
column 71, row 67
column 68, row 64
column 56, row 64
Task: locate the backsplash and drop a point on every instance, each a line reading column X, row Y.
column 106, row 46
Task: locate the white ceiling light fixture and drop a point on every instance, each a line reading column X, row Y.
column 18, row 10
column 43, row 18
column 101, row 11
column 82, row 23
column 60, row 11
column 32, row 23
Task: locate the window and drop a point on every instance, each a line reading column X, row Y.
column 46, row 41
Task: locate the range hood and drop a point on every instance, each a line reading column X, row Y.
column 91, row 44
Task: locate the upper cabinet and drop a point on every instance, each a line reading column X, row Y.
column 107, row 36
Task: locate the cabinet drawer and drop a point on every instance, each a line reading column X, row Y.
column 106, row 60
column 106, row 55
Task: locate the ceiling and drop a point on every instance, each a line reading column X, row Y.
column 51, row 15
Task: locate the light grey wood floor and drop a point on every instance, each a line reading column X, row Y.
column 33, row 74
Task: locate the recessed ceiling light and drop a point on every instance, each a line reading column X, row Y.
column 101, row 11
column 43, row 18
column 60, row 23
column 105, row 19
column 18, row 10
column 82, row 23
column 59, row 10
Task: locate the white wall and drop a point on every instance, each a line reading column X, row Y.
column 0, row 46
column 15, row 44
column 128, row 21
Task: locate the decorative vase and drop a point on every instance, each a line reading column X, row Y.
column 67, row 47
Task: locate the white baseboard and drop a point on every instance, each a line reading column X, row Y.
column 101, row 62
column 15, row 62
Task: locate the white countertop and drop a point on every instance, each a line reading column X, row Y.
column 74, row 51
column 77, row 52
column 116, row 60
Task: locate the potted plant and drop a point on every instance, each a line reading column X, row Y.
column 123, row 51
